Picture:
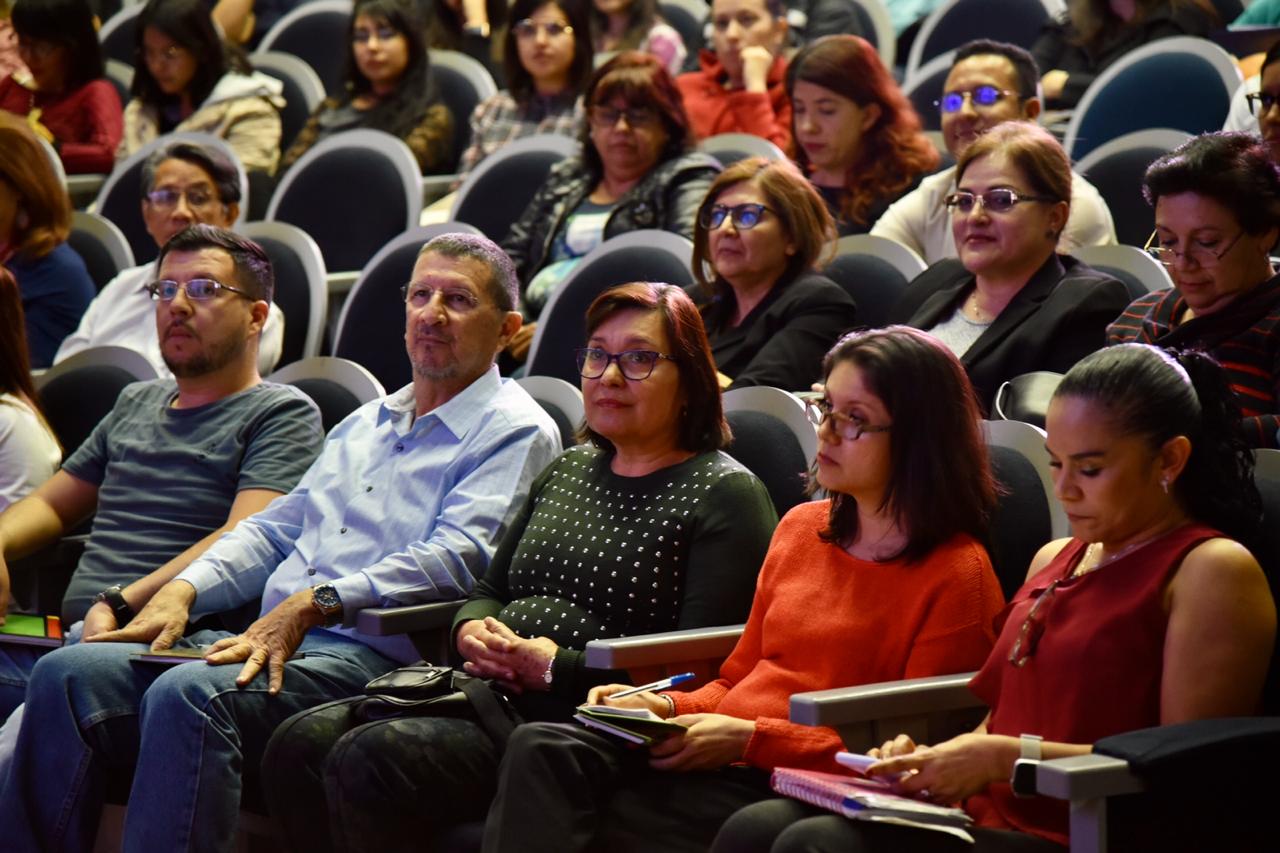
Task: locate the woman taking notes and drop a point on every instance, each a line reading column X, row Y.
column 886, row 576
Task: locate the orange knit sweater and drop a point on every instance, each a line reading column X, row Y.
column 823, row 619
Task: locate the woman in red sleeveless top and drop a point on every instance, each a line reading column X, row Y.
column 1153, row 614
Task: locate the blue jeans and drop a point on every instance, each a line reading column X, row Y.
column 16, row 663
column 186, row 732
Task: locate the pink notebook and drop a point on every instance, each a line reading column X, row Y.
column 867, row 799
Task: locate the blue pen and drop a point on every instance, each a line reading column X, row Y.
column 655, row 685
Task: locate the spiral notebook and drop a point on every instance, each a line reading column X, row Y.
column 868, row 799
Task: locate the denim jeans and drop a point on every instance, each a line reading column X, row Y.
column 186, row 732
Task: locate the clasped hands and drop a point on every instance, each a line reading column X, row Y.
column 492, row 650
column 709, row 740
column 267, row 643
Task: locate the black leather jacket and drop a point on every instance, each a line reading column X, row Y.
column 668, row 198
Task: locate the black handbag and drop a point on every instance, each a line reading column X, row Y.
column 424, row 690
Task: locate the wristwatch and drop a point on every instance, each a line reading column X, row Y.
column 325, row 599
column 549, row 674
column 1023, row 780
column 114, row 597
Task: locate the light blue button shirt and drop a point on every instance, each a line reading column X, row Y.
column 395, row 510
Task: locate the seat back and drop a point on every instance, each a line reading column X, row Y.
column 560, row 400
column 1028, row 441
column 729, row 148
column 353, row 193
column 644, row 255
column 120, row 75
column 774, row 439
column 924, row 87
column 119, row 35
column 1116, row 168
column 303, row 90
column 1266, row 474
column 496, row 192
column 79, row 392
column 338, row 387
column 464, row 82
column 120, row 199
column 1140, row 273
column 874, row 271
column 689, row 19
column 101, row 245
column 315, row 32
column 959, row 21
column 301, row 291
column 370, row 328
column 1025, row 398
column 1182, row 83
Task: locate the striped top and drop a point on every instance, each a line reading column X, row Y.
column 1244, row 337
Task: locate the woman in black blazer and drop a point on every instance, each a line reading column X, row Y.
column 770, row 317
column 1010, row 304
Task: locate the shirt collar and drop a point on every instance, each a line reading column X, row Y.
column 459, row 414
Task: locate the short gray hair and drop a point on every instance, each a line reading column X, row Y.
column 503, row 286
column 225, row 176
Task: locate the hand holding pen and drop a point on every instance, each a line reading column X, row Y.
column 644, row 696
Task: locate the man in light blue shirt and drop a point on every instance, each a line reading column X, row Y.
column 405, row 504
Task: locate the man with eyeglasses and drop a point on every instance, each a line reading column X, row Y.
column 404, row 505
column 177, row 462
column 989, row 83
column 183, row 183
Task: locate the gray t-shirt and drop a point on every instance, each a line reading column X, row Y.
column 167, row 477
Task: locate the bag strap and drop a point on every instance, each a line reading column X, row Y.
column 489, row 711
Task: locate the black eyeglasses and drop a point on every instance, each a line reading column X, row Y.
column 1206, row 256
column 197, row 289
column 743, row 216
column 635, row 364
column 604, row 117
column 528, row 28
column 846, row 426
column 1260, row 102
column 992, row 201
column 979, row 96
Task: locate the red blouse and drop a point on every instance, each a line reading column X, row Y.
column 1095, row 668
column 87, row 123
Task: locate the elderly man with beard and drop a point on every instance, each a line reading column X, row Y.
column 405, row 504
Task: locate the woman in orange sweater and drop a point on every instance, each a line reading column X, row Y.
column 884, row 580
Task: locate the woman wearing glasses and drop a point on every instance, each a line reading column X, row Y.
column 769, row 315
column 185, row 79
column 884, row 578
column 647, row 526
column 547, row 59
column 856, row 135
column 1217, row 206
column 35, row 221
column 1153, row 614
column 65, row 98
column 1010, row 304
column 388, row 87
column 636, row 171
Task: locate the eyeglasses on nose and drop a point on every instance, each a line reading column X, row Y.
column 847, row 427
column 979, row 96
column 456, row 299
column 743, row 216
column 606, row 117
column 635, row 364
column 529, row 28
column 167, row 199
column 992, row 201
column 197, row 289
column 168, row 54
column 1260, row 102
column 1205, row 254
column 363, row 36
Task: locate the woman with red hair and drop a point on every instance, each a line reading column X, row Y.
column 856, row 135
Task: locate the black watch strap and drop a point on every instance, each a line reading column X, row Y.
column 114, row 597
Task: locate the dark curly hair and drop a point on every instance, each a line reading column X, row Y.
column 1232, row 168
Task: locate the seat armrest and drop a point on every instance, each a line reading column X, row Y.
column 1086, row 777
column 657, row 649
column 868, row 702
column 410, row 619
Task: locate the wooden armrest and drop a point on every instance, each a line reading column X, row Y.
column 410, row 619
column 914, row 696
column 1086, row 777
column 657, row 649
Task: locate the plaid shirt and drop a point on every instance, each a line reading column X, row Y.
column 1244, row 337
column 501, row 119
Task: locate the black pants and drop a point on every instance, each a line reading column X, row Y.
column 790, row 826
column 393, row 785
column 566, row 788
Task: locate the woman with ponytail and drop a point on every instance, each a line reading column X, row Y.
column 1152, row 614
